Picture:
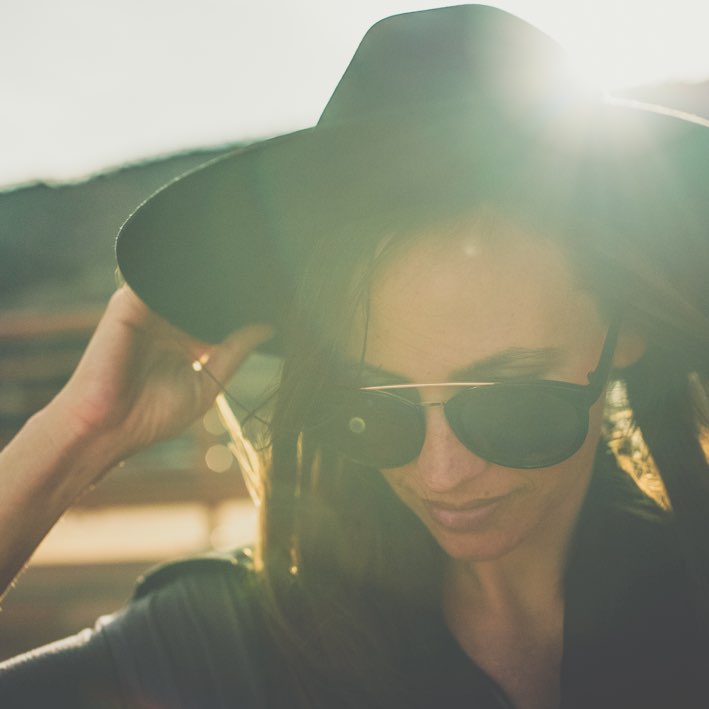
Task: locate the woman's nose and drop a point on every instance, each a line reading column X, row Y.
column 444, row 462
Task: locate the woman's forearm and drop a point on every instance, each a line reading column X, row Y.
column 42, row 471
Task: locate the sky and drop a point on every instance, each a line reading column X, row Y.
column 88, row 85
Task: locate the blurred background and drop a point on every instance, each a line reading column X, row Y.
column 101, row 102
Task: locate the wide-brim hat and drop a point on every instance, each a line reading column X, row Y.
column 438, row 108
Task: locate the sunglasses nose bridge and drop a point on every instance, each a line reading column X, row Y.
column 431, row 406
column 443, row 462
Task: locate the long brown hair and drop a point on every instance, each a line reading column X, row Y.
column 344, row 564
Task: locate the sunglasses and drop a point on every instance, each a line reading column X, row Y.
column 520, row 424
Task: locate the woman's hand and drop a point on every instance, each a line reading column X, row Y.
column 136, row 383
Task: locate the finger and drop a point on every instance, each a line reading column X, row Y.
column 224, row 359
column 128, row 304
column 133, row 312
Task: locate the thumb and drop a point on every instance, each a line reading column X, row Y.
column 225, row 358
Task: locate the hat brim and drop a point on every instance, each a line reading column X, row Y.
column 227, row 244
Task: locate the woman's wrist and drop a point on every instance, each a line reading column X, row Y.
column 76, row 453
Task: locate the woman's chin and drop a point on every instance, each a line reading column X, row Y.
column 474, row 547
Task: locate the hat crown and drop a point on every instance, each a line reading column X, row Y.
column 465, row 53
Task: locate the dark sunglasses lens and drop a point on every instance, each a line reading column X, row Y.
column 373, row 428
column 520, row 426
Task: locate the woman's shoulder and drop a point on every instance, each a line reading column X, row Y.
column 192, row 635
column 234, row 569
column 216, row 593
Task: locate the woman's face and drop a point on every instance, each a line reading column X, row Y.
column 506, row 306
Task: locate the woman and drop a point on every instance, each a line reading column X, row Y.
column 459, row 259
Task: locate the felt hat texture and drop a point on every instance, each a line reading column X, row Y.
column 437, row 107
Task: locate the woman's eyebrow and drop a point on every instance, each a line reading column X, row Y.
column 511, row 363
column 514, row 362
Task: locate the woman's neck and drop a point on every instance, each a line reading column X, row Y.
column 508, row 613
column 509, row 621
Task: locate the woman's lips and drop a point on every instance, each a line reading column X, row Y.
column 466, row 517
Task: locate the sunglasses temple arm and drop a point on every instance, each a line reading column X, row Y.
column 597, row 378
